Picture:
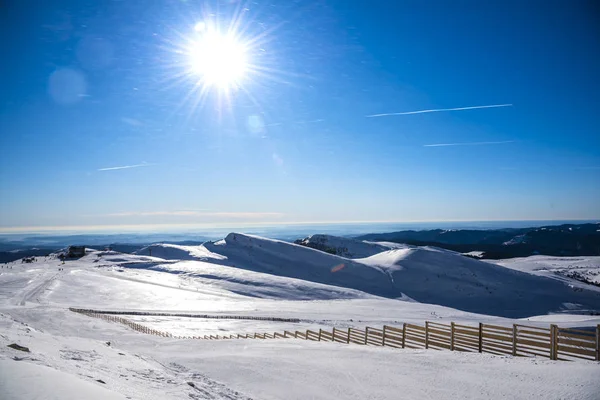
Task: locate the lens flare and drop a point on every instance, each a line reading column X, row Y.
column 338, row 268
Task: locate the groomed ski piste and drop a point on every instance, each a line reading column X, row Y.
column 72, row 356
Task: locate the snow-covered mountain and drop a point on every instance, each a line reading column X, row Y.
column 554, row 240
column 424, row 274
column 178, row 252
column 438, row 276
column 294, row 261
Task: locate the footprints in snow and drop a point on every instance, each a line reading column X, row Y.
column 206, row 388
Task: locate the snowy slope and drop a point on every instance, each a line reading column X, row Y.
column 71, row 352
column 298, row 371
column 438, row 276
column 251, row 266
column 573, row 270
column 67, row 362
column 296, row 261
column 424, row 274
column 16, row 378
column 248, row 283
column 178, row 252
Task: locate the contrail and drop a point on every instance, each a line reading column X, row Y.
column 467, row 143
column 439, row 110
column 124, row 167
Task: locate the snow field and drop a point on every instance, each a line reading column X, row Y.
column 251, row 276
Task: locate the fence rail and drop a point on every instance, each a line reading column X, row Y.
column 554, row 342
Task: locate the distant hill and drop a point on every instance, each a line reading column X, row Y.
column 16, row 253
column 562, row 240
column 346, row 247
column 253, row 266
column 8, row 256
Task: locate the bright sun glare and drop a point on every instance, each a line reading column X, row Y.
column 222, row 59
column 219, row 59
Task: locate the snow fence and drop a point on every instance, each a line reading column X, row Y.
column 553, row 342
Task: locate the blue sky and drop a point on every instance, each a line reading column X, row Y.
column 88, row 86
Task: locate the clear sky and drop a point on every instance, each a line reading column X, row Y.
column 305, row 133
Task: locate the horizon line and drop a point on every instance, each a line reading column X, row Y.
column 107, row 229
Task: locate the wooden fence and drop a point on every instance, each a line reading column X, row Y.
column 183, row 315
column 554, row 342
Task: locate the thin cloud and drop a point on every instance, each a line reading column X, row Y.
column 313, row 121
column 132, row 121
column 125, row 167
column 438, row 110
column 191, row 213
column 277, row 159
column 468, row 144
column 301, row 122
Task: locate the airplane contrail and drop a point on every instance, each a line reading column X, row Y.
column 467, row 143
column 438, row 110
column 124, row 167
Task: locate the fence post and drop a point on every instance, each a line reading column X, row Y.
column 451, row 336
column 514, row 343
column 598, row 342
column 348, row 340
column 480, row 337
column 366, row 334
column 383, row 340
column 553, row 342
column 320, row 331
column 403, row 334
column 426, row 334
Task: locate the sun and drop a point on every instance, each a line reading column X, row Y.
column 219, row 60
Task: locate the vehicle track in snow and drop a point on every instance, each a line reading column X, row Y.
column 35, row 291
